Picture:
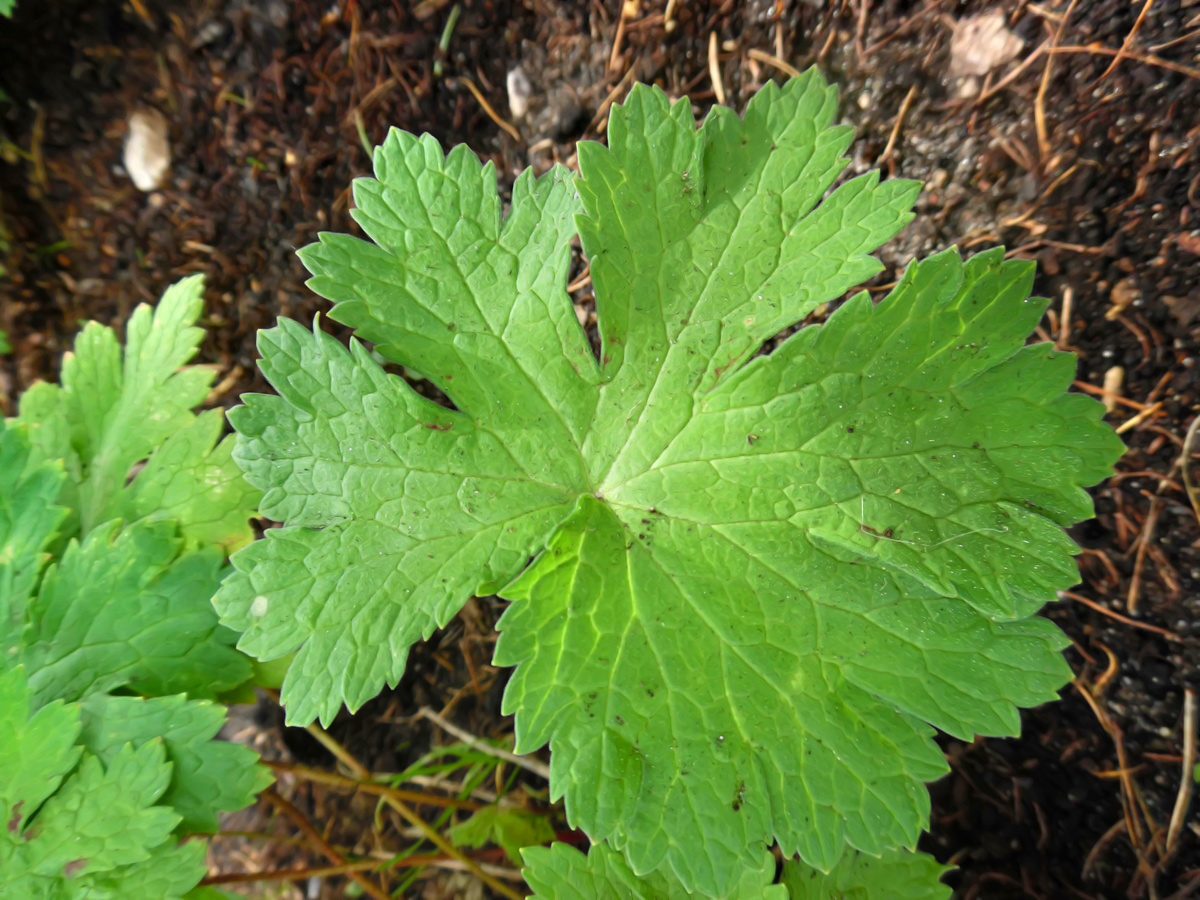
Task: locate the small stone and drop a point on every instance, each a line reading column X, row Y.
column 982, row 43
column 147, row 149
column 519, row 92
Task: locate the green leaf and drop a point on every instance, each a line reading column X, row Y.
column 509, row 827
column 28, row 522
column 127, row 608
column 193, row 480
column 897, row 874
column 90, row 812
column 207, row 776
column 65, row 813
column 116, row 409
column 37, row 753
column 764, row 580
column 560, row 872
column 170, row 871
column 5, row 346
column 102, row 816
column 328, row 450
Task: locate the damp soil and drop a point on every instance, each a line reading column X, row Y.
column 1082, row 152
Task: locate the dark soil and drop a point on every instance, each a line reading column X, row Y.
column 266, row 102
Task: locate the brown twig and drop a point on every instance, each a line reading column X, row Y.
column 1133, row 598
column 1011, row 76
column 1135, row 421
column 897, row 125
column 535, row 766
column 292, row 874
column 1148, row 59
column 1039, row 107
column 1101, row 392
column 1124, row 620
column 714, row 68
column 602, row 110
column 1186, row 777
column 487, row 108
column 1128, row 802
column 775, row 61
column 430, row 833
column 315, row 836
column 340, row 753
column 1137, row 26
column 372, row 787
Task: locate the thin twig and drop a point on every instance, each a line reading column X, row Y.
column 372, row 787
column 315, row 836
column 1185, row 467
column 714, row 68
column 1133, row 599
column 340, row 753
column 899, row 123
column 1186, row 777
column 775, row 61
column 1128, row 799
column 1011, row 76
column 1137, row 26
column 411, row 817
column 1146, row 58
column 487, row 108
column 1039, row 106
column 532, row 765
column 1101, row 392
column 446, row 847
column 292, row 874
column 1124, row 620
column 1064, row 325
column 1135, row 421
column 602, row 110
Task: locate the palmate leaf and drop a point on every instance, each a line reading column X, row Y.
column 127, row 608
column 207, row 776
column 117, row 408
column 764, row 580
column 94, row 796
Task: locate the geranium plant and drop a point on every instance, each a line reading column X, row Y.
column 745, row 587
column 117, row 509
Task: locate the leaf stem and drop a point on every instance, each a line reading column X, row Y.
column 369, row 786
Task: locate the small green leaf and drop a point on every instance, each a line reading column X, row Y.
column 193, row 480
column 126, row 608
column 38, row 751
column 92, row 812
column 207, row 776
column 509, row 827
column 898, row 875
column 103, row 816
column 560, row 872
column 28, row 522
column 117, row 408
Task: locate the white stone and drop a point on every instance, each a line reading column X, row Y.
column 147, row 149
